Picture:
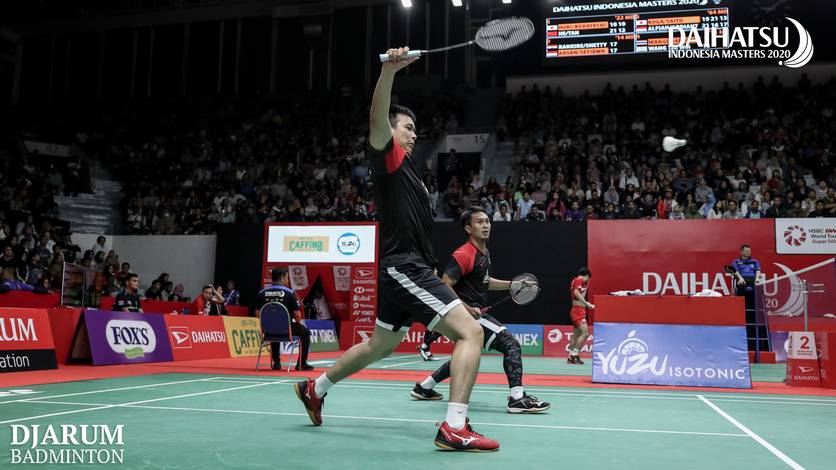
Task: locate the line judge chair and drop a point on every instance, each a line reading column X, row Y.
column 275, row 328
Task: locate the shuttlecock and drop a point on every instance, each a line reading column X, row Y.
column 672, row 143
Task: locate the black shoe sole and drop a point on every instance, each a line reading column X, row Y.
column 418, row 396
column 517, row 411
column 445, row 446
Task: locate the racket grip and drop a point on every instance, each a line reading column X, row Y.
column 409, row 55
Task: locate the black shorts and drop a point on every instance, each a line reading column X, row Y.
column 491, row 327
column 410, row 293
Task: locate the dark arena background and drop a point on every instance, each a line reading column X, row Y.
column 198, row 231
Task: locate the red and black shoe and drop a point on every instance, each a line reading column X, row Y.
column 306, row 392
column 464, row 439
column 574, row 360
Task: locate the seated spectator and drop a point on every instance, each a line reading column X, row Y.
column 502, row 215
column 209, row 302
column 9, row 284
column 177, row 294
column 127, row 300
column 535, row 214
column 232, row 294
column 320, row 306
column 575, row 212
column 99, row 245
column 155, row 291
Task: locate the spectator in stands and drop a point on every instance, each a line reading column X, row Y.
column 754, row 211
column 732, row 212
column 632, row 212
column 320, row 306
column 575, row 212
column 155, row 291
column 524, row 205
column 232, row 294
column 127, row 300
column 177, row 294
column 820, row 211
column 716, row 212
column 9, row 284
column 502, row 215
column 99, row 245
column 8, row 260
column 776, row 209
column 209, row 302
column 535, row 214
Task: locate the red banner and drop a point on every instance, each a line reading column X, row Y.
column 557, row 337
column 681, row 257
column 25, row 340
column 415, row 336
column 196, row 337
column 363, row 300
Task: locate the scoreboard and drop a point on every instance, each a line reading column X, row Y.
column 631, row 32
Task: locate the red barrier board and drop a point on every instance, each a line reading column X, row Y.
column 196, row 337
column 29, row 300
column 63, row 321
column 671, row 310
column 415, row 336
column 25, row 340
column 556, row 341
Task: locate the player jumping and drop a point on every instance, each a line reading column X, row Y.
column 580, row 307
column 468, row 273
column 409, row 289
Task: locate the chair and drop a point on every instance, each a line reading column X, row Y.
column 275, row 327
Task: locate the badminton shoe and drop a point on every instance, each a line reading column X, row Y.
column 464, row 439
column 306, row 392
column 421, row 393
column 527, row 404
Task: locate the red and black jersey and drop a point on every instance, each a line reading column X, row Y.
column 579, row 284
column 472, row 271
column 403, row 207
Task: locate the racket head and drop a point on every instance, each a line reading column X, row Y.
column 504, row 33
column 524, row 288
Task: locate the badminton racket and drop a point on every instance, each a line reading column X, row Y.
column 496, row 35
column 524, row 289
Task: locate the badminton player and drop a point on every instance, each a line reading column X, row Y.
column 468, row 273
column 409, row 290
column 580, row 307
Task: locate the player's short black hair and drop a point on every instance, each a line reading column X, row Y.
column 207, row 286
column 468, row 214
column 277, row 274
column 744, row 246
column 131, row 276
column 584, row 271
column 396, row 109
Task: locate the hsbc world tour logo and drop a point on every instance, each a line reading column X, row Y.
column 747, row 42
column 795, row 235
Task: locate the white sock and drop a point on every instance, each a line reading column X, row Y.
column 456, row 415
column 429, row 383
column 575, row 351
column 322, row 384
column 516, row 393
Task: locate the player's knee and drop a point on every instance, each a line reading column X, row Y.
column 473, row 331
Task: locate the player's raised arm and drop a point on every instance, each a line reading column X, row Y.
column 499, row 284
column 379, row 128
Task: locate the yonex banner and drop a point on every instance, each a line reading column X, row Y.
column 243, row 335
column 323, row 335
column 25, row 340
column 638, row 353
column 556, row 341
column 197, row 337
column 530, row 338
column 126, row 337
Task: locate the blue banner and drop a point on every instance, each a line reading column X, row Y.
column 323, row 335
column 530, row 338
column 637, row 353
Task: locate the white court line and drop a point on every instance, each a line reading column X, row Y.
column 441, row 358
column 111, row 389
column 792, row 463
column 101, row 407
column 405, row 420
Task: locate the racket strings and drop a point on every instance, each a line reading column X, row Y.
column 504, row 33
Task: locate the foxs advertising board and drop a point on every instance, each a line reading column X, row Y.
column 197, row 337
column 126, row 337
column 25, row 340
column 638, row 353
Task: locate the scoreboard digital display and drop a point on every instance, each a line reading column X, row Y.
column 570, row 32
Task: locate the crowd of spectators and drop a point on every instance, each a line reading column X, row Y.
column 302, row 159
column 757, row 152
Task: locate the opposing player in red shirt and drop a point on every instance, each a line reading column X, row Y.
column 580, row 307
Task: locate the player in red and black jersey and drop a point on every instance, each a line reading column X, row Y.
column 469, row 274
column 580, row 307
column 409, row 289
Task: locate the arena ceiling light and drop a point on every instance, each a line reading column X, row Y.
column 406, row 3
column 507, row 2
column 457, row 3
